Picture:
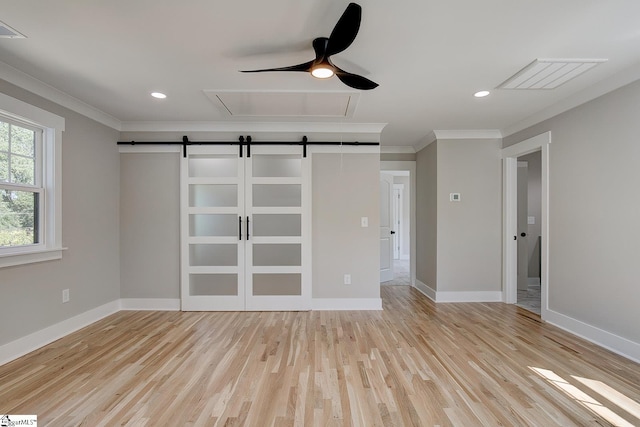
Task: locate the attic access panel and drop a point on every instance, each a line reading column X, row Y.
column 6, row 32
column 285, row 104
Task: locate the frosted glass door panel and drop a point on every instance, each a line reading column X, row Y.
column 213, row 195
column 277, row 225
column 277, row 195
column 213, row 167
column 216, row 225
column 277, row 284
column 277, row 255
column 213, row 284
column 213, row 255
column 277, row 166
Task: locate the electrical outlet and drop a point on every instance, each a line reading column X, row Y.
column 65, row 295
column 347, row 279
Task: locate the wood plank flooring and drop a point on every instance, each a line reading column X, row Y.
column 414, row 364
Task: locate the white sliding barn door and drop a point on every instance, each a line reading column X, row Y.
column 212, row 209
column 277, row 253
column 244, row 222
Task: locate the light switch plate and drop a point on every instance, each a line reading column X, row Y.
column 364, row 221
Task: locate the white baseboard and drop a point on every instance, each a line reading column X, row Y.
column 34, row 341
column 346, row 304
column 426, row 290
column 150, row 304
column 469, row 296
column 533, row 281
column 473, row 296
column 612, row 342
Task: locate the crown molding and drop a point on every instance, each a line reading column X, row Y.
column 422, row 144
column 397, row 149
column 594, row 91
column 38, row 87
column 442, row 134
column 468, row 134
column 289, row 127
column 264, row 131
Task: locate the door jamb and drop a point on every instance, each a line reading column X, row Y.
column 509, row 224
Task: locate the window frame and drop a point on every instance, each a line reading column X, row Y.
column 48, row 179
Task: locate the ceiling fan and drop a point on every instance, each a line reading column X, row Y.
column 343, row 34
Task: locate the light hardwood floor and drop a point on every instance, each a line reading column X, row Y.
column 415, row 363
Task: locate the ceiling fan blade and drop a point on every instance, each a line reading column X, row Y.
column 300, row 67
column 355, row 81
column 345, row 31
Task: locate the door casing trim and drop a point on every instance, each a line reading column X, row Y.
column 509, row 223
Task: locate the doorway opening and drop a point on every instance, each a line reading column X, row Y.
column 529, row 208
column 525, row 228
column 401, row 210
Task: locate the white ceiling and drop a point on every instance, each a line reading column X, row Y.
column 428, row 56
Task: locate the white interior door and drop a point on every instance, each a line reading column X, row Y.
column 386, row 227
column 397, row 220
column 523, row 241
column 244, row 225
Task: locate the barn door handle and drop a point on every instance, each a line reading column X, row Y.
column 239, row 228
column 247, row 227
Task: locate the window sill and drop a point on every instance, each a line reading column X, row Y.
column 9, row 260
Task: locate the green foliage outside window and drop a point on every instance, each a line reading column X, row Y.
column 18, row 208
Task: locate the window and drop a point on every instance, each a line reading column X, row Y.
column 30, row 193
column 20, row 185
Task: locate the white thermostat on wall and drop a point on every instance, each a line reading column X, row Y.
column 454, row 197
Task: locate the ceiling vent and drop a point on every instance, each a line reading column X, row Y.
column 549, row 73
column 6, row 32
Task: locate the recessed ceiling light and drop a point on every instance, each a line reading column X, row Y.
column 158, row 95
column 481, row 94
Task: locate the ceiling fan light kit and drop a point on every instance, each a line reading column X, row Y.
column 343, row 34
column 322, row 71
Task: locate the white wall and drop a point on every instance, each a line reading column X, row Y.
column 594, row 210
column 427, row 216
column 459, row 249
column 150, row 225
column 90, row 268
column 346, row 188
column 469, row 231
